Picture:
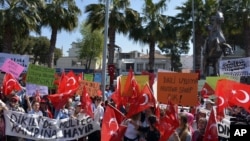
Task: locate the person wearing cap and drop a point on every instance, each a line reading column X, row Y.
column 79, row 114
column 209, row 104
column 13, row 104
column 44, row 108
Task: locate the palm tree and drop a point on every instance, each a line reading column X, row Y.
column 203, row 12
column 59, row 15
column 120, row 19
column 150, row 30
column 18, row 18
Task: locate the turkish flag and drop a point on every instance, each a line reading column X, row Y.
column 240, row 95
column 211, row 133
column 223, row 91
column 111, row 128
column 206, row 90
column 143, row 101
column 86, row 102
column 10, row 84
column 131, row 88
column 68, row 82
column 60, row 99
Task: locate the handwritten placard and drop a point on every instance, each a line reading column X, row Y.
column 91, row 87
column 40, row 75
column 22, row 60
column 180, row 88
column 88, row 77
column 12, row 67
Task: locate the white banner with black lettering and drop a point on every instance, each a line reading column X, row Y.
column 42, row 128
column 223, row 128
column 235, row 67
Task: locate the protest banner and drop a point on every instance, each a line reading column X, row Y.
column 140, row 79
column 42, row 128
column 88, row 77
column 235, row 67
column 91, row 87
column 22, row 60
column 33, row 89
column 180, row 88
column 40, row 75
column 12, row 67
column 223, row 128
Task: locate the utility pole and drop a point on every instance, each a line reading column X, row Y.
column 104, row 54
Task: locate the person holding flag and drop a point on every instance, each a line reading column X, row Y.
column 182, row 133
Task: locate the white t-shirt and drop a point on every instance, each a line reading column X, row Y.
column 131, row 132
column 98, row 113
column 39, row 113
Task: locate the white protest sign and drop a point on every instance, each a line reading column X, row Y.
column 42, row 128
column 235, row 67
column 33, row 89
column 223, row 128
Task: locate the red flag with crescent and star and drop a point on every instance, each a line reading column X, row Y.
column 143, row 101
column 68, row 82
column 10, row 84
column 211, row 133
column 206, row 90
column 240, row 95
column 112, row 129
column 230, row 93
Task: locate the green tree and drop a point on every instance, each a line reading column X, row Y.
column 151, row 29
column 91, row 45
column 203, row 12
column 120, row 20
column 174, row 42
column 59, row 15
column 237, row 23
column 18, row 18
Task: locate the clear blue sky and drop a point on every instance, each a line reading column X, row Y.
column 64, row 39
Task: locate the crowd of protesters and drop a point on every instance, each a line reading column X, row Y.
column 141, row 126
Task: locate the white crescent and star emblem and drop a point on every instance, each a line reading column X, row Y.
column 10, row 80
column 222, row 101
column 73, row 83
column 246, row 97
column 113, row 122
column 146, row 99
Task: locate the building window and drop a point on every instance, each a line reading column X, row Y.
column 160, row 66
column 129, row 65
column 139, row 67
